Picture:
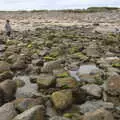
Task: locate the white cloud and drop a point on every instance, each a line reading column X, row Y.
column 54, row 4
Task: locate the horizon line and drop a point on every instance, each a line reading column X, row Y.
column 3, row 10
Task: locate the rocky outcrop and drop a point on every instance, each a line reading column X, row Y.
column 60, row 72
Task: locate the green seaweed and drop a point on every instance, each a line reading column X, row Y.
column 64, row 74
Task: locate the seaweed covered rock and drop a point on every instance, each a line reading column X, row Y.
column 67, row 82
column 46, row 80
column 62, row 99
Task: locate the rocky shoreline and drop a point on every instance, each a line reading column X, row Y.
column 60, row 73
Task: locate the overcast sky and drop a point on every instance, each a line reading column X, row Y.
column 54, row 4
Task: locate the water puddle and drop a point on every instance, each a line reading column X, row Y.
column 74, row 75
column 83, row 70
column 28, row 90
column 87, row 69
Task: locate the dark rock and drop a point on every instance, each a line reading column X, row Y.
column 79, row 95
column 6, row 75
column 9, row 89
column 24, row 104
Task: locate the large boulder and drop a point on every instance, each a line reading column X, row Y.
column 50, row 66
column 93, row 90
column 66, row 82
column 9, row 89
column 35, row 113
column 24, row 104
column 28, row 90
column 112, row 86
column 21, row 63
column 18, row 65
column 7, row 112
column 112, row 90
column 46, row 80
column 100, row 114
column 62, row 99
column 92, row 106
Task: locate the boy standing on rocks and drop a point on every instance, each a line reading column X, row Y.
column 8, row 28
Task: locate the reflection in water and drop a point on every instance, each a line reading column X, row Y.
column 84, row 69
column 87, row 69
column 74, row 75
